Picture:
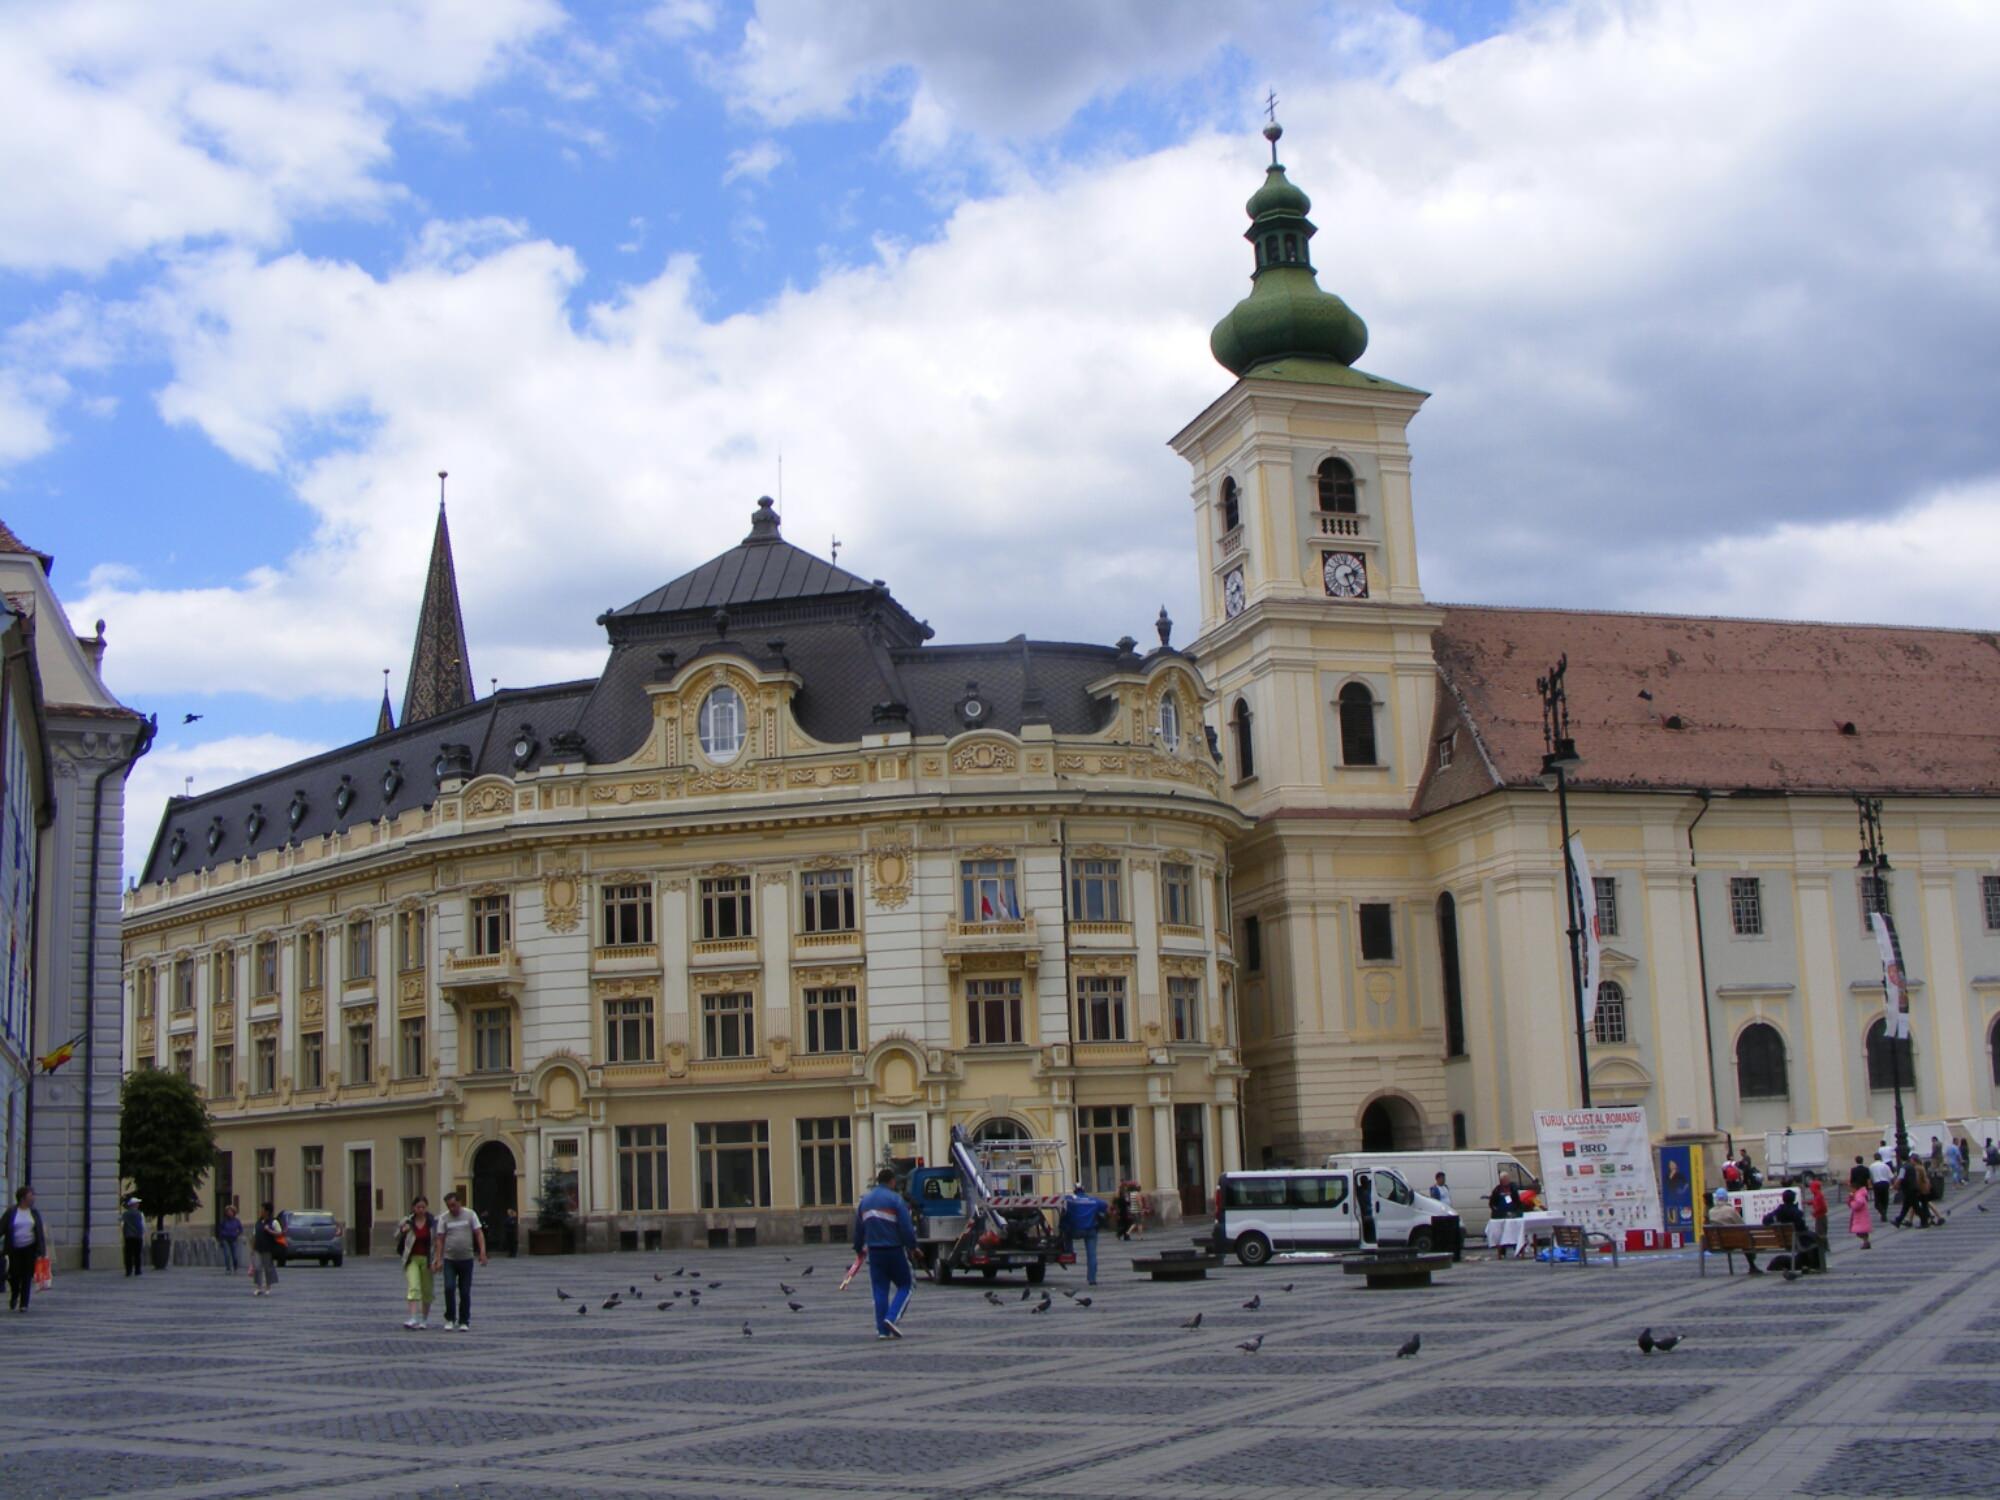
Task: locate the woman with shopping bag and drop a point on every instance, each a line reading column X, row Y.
column 27, row 1245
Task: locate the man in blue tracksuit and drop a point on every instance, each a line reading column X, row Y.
column 882, row 1229
column 1082, row 1216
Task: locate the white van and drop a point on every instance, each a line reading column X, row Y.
column 1261, row 1214
column 1471, row 1176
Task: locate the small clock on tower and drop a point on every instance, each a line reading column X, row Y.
column 1232, row 593
column 1346, row 575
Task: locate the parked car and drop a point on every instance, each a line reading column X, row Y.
column 311, row 1235
column 1471, row 1175
column 1261, row 1214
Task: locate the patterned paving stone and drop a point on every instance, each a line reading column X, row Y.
column 1702, row 1357
column 1912, row 1466
column 1475, row 1465
column 1544, row 1399
column 1942, row 1396
column 86, row 1473
column 442, row 1427
column 1983, row 1352
column 1149, row 1400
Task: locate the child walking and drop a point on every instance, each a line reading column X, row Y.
column 1860, row 1218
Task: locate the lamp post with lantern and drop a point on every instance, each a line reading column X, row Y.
column 1559, row 757
column 1874, row 865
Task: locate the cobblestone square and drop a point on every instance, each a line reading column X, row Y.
column 1874, row 1380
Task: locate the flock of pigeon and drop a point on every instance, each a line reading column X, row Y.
column 631, row 1297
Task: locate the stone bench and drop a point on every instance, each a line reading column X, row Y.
column 1175, row 1265
column 1391, row 1270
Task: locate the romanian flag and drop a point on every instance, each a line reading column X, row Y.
column 58, row 1057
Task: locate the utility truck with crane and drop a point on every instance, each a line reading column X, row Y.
column 996, row 1207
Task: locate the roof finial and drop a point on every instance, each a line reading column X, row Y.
column 441, row 478
column 1273, row 130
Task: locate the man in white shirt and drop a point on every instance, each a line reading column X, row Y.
column 459, row 1239
column 1880, row 1175
column 1439, row 1191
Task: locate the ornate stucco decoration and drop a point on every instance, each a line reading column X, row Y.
column 562, row 896
column 984, row 757
column 489, row 800
column 890, row 875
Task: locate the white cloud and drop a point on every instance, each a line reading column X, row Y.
column 26, row 402
column 166, row 769
column 756, row 162
column 132, row 125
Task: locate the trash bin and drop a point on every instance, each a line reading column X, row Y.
column 163, row 1249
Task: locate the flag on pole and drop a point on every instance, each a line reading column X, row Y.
column 1586, row 916
column 1895, row 989
column 58, row 1057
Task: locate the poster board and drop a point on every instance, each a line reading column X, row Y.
column 1597, row 1171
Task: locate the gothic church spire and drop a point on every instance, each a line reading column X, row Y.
column 440, row 674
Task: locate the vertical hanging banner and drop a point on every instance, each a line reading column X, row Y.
column 1895, row 990
column 1597, row 1171
column 1585, row 891
column 1677, row 1192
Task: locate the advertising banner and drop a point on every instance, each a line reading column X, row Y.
column 1895, row 993
column 1597, row 1171
column 1677, row 1193
column 1590, row 952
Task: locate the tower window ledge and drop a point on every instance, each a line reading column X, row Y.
column 1230, row 542
column 1338, row 523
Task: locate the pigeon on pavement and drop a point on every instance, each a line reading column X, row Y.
column 787, row 1290
column 990, row 1297
column 713, row 1285
column 1251, row 1346
column 1193, row 1322
column 662, row 1306
column 1645, row 1341
column 807, row 1271
column 562, row 1296
column 1027, row 1292
column 1288, row 1286
column 583, row 1309
column 658, row 1277
column 1044, row 1305
column 1083, row 1301
column 796, row 1306
column 611, row 1301
column 1254, row 1303
column 746, row 1330
column 1410, row 1346
column 1666, row 1345
column 1067, row 1291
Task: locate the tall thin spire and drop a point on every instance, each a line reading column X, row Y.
column 440, row 674
column 385, row 721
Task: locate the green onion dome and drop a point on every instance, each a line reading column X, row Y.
column 1286, row 315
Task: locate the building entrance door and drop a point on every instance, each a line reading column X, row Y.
column 494, row 1189
column 1191, row 1159
column 361, row 1218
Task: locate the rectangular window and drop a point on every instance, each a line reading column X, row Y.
column 1605, row 889
column 1446, row 747
column 986, row 891
column 628, row 915
column 833, row 1020
column 1177, row 896
column 993, row 1012
column 414, row 1173
column 566, row 1171
column 1184, row 1005
column 312, row 959
column 735, row 1164
column 1989, row 893
column 729, row 1025
column 264, row 1064
column 1100, row 1008
column 1094, row 891
column 628, row 1030
column 1378, row 932
column 222, row 1071
column 264, row 974
column 1874, row 891
column 828, row 896
column 361, row 949
column 826, row 1163
column 267, row 1176
column 492, row 925
column 1104, row 1146
column 360, row 1051
column 642, row 1169
column 184, row 1058
column 410, row 945
column 1253, row 945
column 1746, row 905
column 725, row 909
column 492, row 1039
column 222, row 987
column 183, row 984
column 410, row 1047
column 312, row 1177
column 312, row 1060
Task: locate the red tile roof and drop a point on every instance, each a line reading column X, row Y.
column 11, row 543
column 1761, row 705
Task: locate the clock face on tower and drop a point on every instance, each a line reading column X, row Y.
column 1346, row 575
column 1232, row 593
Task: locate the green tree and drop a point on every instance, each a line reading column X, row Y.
column 166, row 1141
column 552, row 1210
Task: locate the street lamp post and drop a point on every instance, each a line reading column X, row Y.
column 1874, row 863
column 1559, row 757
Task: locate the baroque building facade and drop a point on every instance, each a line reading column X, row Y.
column 788, row 888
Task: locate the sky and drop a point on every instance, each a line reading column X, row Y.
column 1707, row 297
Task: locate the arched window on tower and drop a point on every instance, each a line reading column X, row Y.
column 1336, row 487
column 1232, row 507
column 1760, row 1063
column 1357, row 725
column 1246, row 755
column 1454, row 992
column 1608, row 1024
column 1291, row 248
column 1270, row 249
column 1882, row 1060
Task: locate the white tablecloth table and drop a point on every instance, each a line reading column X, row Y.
column 1517, row 1236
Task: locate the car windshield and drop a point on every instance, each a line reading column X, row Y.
column 308, row 1221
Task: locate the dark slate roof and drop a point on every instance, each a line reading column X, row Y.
column 852, row 646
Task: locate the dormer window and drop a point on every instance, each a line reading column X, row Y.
column 720, row 724
column 1336, row 487
column 1232, row 507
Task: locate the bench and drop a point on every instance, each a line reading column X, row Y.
column 1729, row 1239
column 1390, row 1269
column 1176, row 1265
column 1576, row 1237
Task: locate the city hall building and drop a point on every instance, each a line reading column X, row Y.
column 789, row 887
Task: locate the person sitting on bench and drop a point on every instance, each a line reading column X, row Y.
column 1805, row 1244
column 1724, row 1213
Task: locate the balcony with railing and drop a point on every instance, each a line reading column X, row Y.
column 724, row 951
column 1007, row 935
column 1345, row 524
column 460, row 970
column 625, row 958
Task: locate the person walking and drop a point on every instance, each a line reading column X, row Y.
column 1992, row 1162
column 230, row 1233
column 1880, row 1175
column 1859, row 1222
column 413, row 1243
column 1084, row 1215
column 459, row 1240
column 1816, row 1206
column 1954, row 1163
column 1914, row 1188
column 132, row 1223
column 26, row 1242
column 265, row 1238
column 884, row 1233
column 1857, row 1175
column 1440, row 1190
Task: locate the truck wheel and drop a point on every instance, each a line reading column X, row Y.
column 1421, row 1241
column 337, row 1260
column 1253, row 1249
column 991, row 1273
column 941, row 1272
column 1036, row 1272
